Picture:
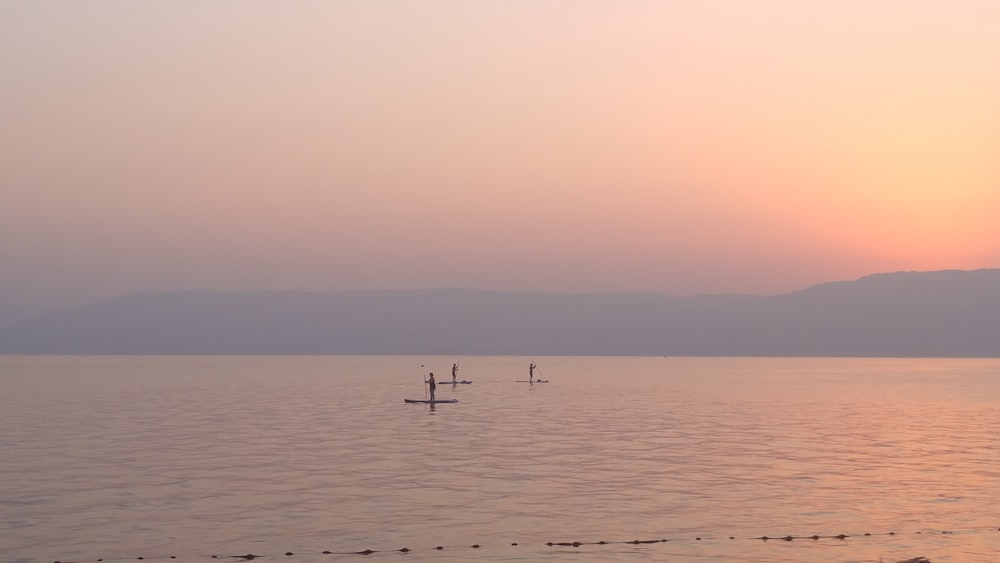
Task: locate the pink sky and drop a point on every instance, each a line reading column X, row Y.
column 675, row 147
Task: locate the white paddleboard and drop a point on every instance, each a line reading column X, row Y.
column 427, row 401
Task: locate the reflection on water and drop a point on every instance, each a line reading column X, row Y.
column 120, row 457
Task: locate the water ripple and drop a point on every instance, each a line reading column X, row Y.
column 119, row 457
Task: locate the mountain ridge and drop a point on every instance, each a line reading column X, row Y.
column 949, row 313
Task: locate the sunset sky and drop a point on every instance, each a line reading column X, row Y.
column 677, row 147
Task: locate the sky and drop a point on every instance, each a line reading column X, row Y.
column 678, row 147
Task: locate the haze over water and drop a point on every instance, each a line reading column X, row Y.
column 115, row 458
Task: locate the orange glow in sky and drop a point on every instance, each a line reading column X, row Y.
column 672, row 147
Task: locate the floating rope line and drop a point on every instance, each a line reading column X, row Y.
column 574, row 544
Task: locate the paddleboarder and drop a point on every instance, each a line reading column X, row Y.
column 431, row 385
column 454, row 372
column 531, row 372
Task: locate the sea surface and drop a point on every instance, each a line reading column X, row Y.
column 206, row 458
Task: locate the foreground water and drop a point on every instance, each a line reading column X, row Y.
column 117, row 458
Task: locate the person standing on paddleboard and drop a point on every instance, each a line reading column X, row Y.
column 431, row 385
column 454, row 372
column 531, row 372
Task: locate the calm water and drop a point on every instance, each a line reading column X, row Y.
column 116, row 458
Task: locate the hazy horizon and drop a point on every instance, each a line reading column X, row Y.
column 278, row 291
column 678, row 148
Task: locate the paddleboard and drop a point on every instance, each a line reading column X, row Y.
column 535, row 381
column 435, row 401
column 453, row 382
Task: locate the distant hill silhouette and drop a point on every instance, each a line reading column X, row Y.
column 945, row 313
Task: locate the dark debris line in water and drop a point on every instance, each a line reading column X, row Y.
column 815, row 537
